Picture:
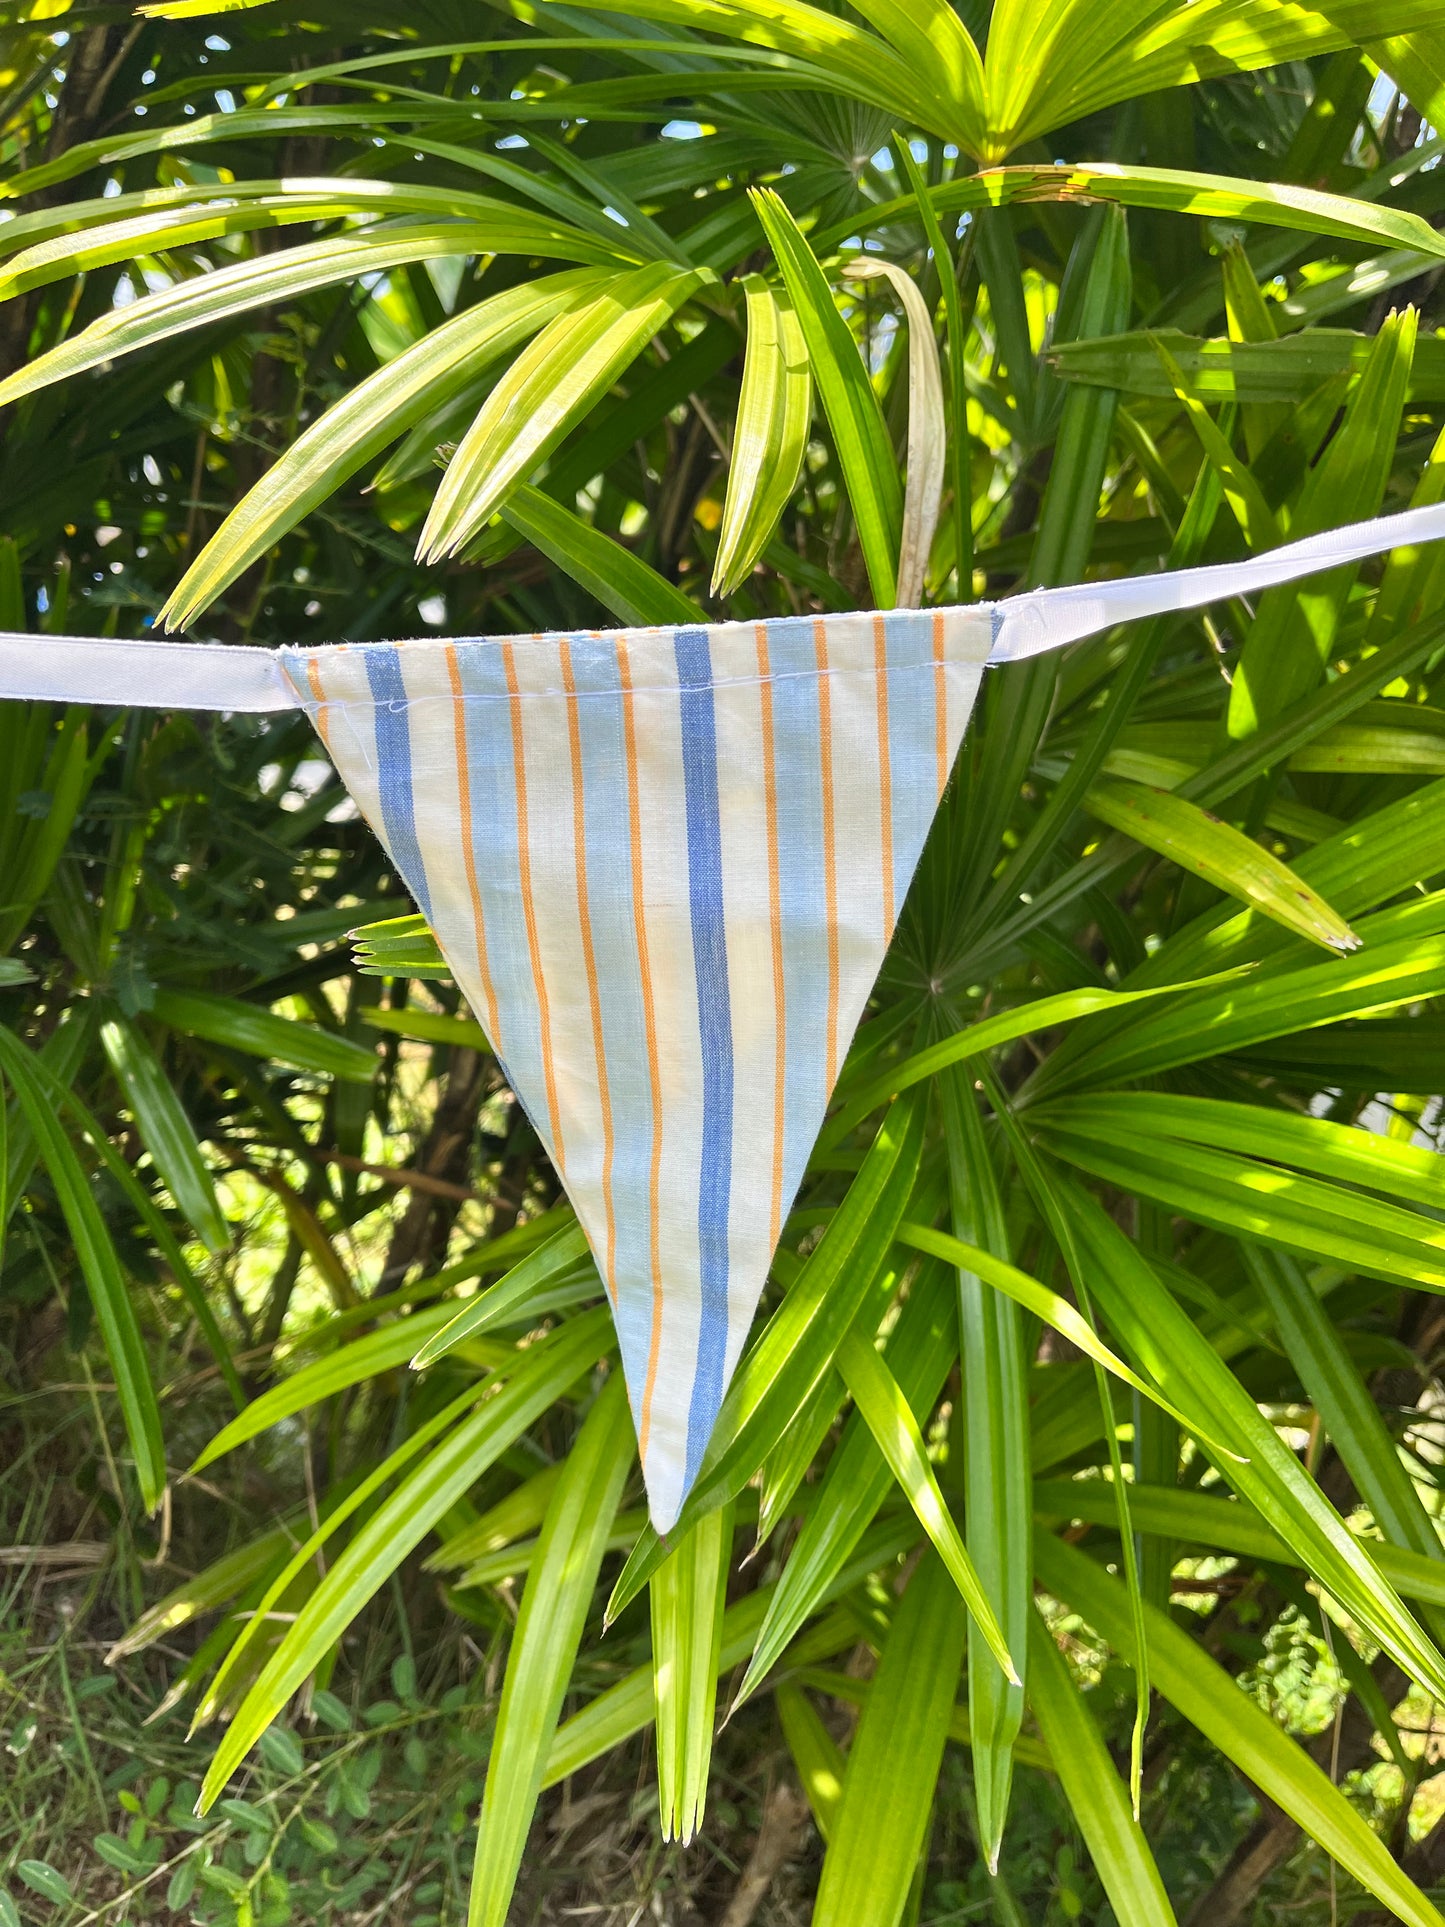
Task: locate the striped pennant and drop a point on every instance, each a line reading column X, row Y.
column 664, row 866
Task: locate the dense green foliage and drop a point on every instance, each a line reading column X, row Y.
column 1113, row 1278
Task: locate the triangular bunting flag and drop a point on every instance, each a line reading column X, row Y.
column 664, row 866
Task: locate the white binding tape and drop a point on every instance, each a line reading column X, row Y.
column 146, row 674
column 152, row 674
column 1048, row 618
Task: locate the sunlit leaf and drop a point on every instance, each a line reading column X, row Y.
column 544, row 1646
column 547, row 389
column 770, row 436
column 688, row 1598
column 864, row 450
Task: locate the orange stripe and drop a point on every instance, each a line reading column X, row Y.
column 589, row 961
column 775, row 899
column 313, row 678
column 940, row 702
column 634, row 820
column 885, row 773
column 830, row 859
column 524, row 874
column 469, row 854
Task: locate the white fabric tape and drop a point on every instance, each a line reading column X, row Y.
column 152, row 674
column 1048, row 618
column 145, row 674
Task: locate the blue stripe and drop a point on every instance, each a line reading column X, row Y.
column 714, row 1017
column 800, row 889
column 488, row 714
column 608, row 818
column 393, row 760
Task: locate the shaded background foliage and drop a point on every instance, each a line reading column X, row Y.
column 233, row 1158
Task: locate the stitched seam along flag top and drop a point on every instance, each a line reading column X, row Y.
column 664, row 866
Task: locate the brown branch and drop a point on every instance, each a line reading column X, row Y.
column 785, row 1814
column 444, row 1157
column 403, row 1176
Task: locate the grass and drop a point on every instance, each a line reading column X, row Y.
column 361, row 1811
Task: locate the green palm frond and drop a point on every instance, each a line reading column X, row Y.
column 1102, row 1320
